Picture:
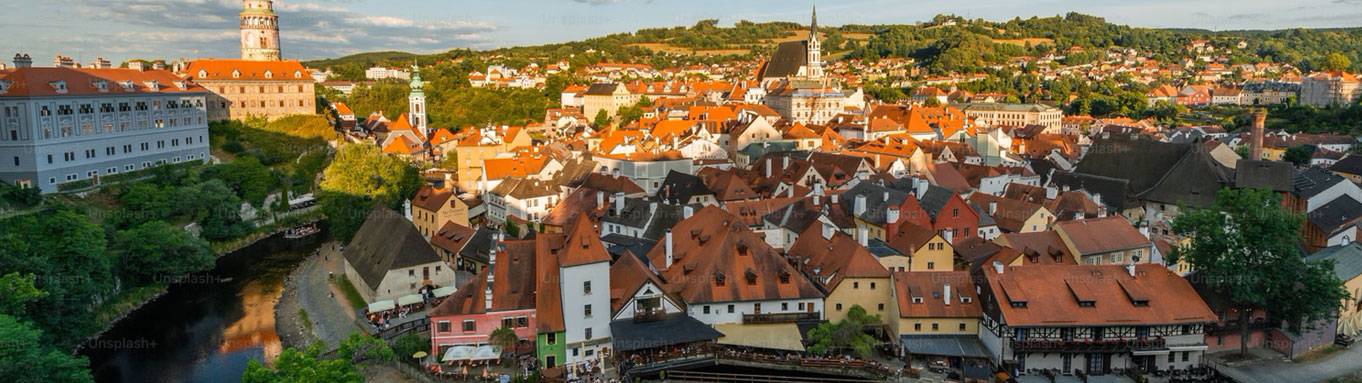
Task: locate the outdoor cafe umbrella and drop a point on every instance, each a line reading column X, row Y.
column 412, row 299
column 381, row 306
column 445, row 291
column 458, row 353
column 419, row 355
column 487, row 353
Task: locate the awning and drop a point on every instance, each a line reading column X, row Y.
column 445, row 291
column 777, row 336
column 1200, row 347
column 674, row 329
column 486, row 352
column 458, row 353
column 410, row 300
column 966, row 346
column 382, row 306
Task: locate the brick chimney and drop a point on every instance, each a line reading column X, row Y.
column 1259, row 122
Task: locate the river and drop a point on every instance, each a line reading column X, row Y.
column 207, row 326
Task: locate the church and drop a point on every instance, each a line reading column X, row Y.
column 797, row 88
column 261, row 83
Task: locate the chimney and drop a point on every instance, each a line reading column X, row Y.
column 686, row 212
column 828, row 231
column 768, row 167
column 946, row 293
column 22, row 60
column 1051, row 192
column 619, row 203
column 135, row 65
column 785, row 162
column 1130, row 269
column 891, row 214
column 491, row 271
column 669, row 248
column 859, row 207
column 600, row 199
column 652, row 209
column 1259, row 122
column 864, row 236
column 921, row 185
column 158, row 65
column 833, row 198
column 992, row 208
column 998, row 267
column 948, row 235
column 886, row 196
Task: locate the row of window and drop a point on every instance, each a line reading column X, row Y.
column 126, row 168
column 259, row 89
column 127, row 149
column 784, row 306
column 109, row 107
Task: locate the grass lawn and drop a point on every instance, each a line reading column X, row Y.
column 351, row 294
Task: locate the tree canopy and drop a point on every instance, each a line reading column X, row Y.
column 845, row 335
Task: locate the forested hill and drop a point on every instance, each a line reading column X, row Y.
column 945, row 44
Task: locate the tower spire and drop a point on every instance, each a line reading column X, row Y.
column 813, row 26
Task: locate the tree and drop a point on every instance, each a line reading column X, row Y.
column 1299, row 155
column 602, row 119
column 217, row 210
column 251, row 180
column 1245, row 248
column 66, row 252
column 295, row 365
column 155, row 250
column 504, row 338
column 360, row 177
column 1336, row 62
column 24, row 357
column 407, row 345
column 17, row 292
column 360, row 347
column 847, row 334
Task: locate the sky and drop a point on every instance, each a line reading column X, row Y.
column 311, row 29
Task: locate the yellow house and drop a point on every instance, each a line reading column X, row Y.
column 431, row 208
column 847, row 271
column 481, row 144
column 941, row 303
column 607, row 97
column 1014, row 216
column 922, row 249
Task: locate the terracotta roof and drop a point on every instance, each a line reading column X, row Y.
column 829, row 261
column 583, row 246
column 431, row 199
column 548, row 297
column 1010, row 214
column 1100, row 235
column 922, row 294
column 246, row 70
column 1041, row 247
column 513, row 289
column 717, row 259
column 627, row 276
column 33, row 82
column 1046, row 296
column 452, row 237
column 402, row 145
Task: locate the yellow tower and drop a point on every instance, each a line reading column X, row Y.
column 259, row 31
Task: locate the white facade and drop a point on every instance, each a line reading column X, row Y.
column 586, row 310
column 732, row 312
column 48, row 141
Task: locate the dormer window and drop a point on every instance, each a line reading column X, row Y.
column 269, row 74
column 101, row 85
column 236, row 74
column 59, row 86
column 297, row 74
column 4, row 86
column 182, row 85
column 153, row 85
column 917, row 299
column 129, row 86
column 718, row 279
column 203, row 73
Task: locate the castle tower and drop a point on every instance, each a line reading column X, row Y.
column 259, row 31
column 815, row 49
column 416, row 102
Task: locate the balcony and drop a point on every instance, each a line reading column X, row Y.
column 778, row 318
column 1104, row 345
column 650, row 314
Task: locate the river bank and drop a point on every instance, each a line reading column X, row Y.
column 308, row 289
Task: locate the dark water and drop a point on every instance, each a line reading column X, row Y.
column 209, row 325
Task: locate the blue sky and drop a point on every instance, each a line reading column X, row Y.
column 122, row 29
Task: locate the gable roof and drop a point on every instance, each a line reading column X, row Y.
column 922, row 294
column 1347, row 260
column 1271, row 175
column 34, row 82
column 247, row 70
column 387, row 241
column 1046, row 296
column 829, row 260
column 513, row 287
column 1101, row 235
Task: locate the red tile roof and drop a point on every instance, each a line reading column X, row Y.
column 245, row 70
column 32, row 82
column 922, row 294
column 831, row 260
column 1047, row 296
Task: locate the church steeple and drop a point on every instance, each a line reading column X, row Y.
column 814, row 68
column 416, row 108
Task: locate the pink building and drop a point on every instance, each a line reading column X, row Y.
column 483, row 305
